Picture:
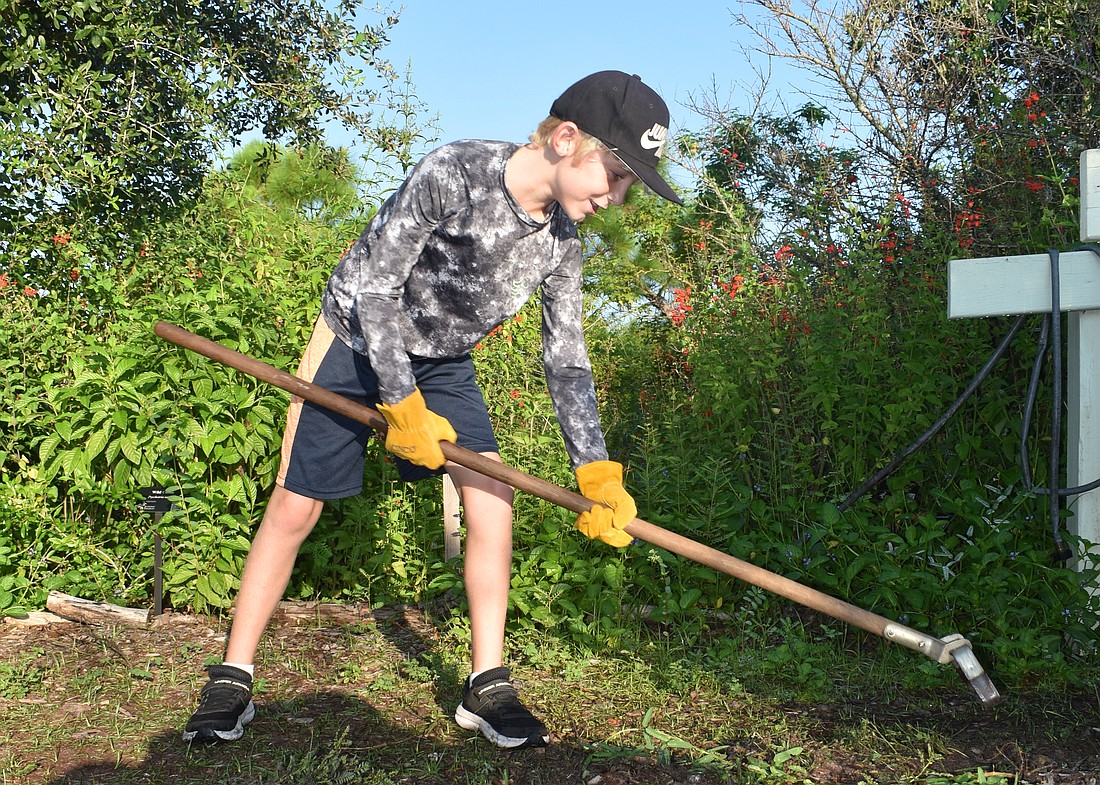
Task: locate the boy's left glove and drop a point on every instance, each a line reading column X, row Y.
column 602, row 481
column 415, row 431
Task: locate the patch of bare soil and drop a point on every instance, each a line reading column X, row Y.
column 86, row 704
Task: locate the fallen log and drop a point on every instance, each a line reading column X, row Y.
column 91, row 612
column 301, row 612
column 294, row 612
column 35, row 619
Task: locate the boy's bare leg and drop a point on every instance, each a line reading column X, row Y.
column 487, row 508
column 225, row 703
column 287, row 521
column 490, row 703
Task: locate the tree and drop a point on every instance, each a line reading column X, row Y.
column 631, row 253
column 314, row 181
column 969, row 111
column 113, row 110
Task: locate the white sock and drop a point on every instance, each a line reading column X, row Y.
column 473, row 676
column 250, row 669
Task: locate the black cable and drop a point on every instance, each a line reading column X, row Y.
column 1063, row 552
column 889, row 469
column 1054, row 461
column 1052, row 324
column 1025, row 461
column 1029, row 406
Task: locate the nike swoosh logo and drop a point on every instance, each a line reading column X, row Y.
column 654, row 138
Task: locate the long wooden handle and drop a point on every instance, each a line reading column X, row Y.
column 651, row 533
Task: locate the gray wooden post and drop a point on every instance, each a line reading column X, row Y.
column 1004, row 285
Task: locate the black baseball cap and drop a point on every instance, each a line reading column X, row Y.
column 626, row 115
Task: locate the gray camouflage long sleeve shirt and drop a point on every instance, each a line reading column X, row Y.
column 449, row 256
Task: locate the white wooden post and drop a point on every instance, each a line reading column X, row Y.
column 1083, row 377
column 452, row 517
column 1004, row 285
column 1090, row 196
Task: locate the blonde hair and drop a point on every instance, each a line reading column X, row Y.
column 588, row 143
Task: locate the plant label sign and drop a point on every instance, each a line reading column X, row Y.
column 1002, row 285
column 156, row 500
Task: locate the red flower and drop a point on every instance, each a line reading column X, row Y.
column 732, row 287
column 681, row 305
column 61, row 239
column 1033, row 185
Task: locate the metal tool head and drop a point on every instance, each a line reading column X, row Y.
column 976, row 676
column 953, row 648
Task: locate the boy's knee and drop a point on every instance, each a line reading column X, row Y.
column 290, row 513
column 470, row 482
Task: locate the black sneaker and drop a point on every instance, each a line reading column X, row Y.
column 492, row 706
column 225, row 706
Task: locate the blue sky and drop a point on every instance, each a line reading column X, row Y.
column 491, row 69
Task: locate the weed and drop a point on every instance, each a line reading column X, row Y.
column 387, row 720
column 21, row 678
column 329, row 762
column 90, row 684
column 666, row 744
column 782, row 767
column 979, row 777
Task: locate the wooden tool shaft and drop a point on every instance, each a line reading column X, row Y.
column 642, row 530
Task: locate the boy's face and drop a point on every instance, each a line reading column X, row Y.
column 590, row 182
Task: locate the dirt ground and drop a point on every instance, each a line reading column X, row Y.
column 88, row 704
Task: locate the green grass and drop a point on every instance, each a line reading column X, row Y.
column 782, row 705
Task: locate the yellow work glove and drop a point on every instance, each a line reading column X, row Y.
column 602, row 481
column 415, row 432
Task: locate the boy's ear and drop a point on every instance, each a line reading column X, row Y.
column 565, row 139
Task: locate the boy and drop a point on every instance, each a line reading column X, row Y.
column 462, row 244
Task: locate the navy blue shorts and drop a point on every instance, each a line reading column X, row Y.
column 323, row 453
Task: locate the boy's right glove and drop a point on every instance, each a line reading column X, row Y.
column 602, row 481
column 415, row 432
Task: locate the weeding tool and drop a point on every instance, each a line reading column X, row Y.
column 953, row 648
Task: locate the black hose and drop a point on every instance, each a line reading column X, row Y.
column 891, row 467
column 1062, row 552
column 1029, row 405
column 1053, row 325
